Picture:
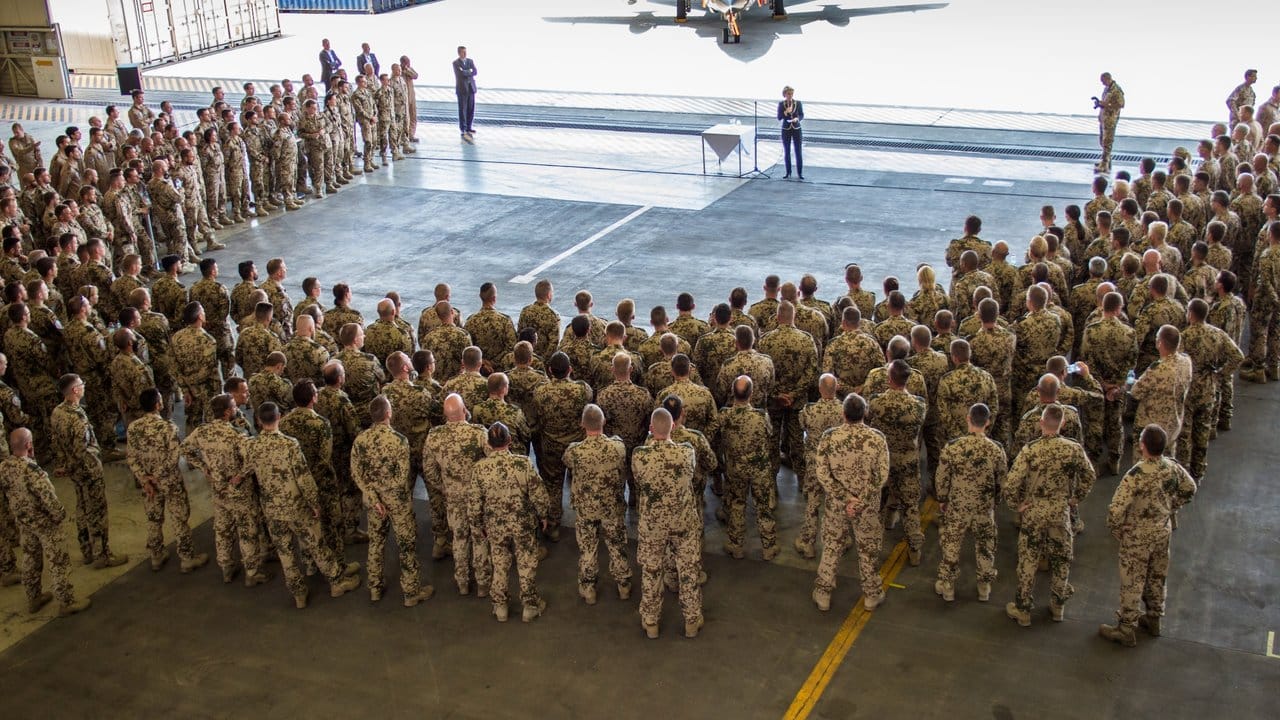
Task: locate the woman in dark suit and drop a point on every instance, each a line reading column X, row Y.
column 790, row 114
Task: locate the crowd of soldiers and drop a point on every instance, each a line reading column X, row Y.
column 1015, row 383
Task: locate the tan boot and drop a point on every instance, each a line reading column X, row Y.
column 805, row 550
column 344, row 586
column 34, row 605
column 624, row 591
column 1057, row 613
column 229, row 574
column 351, row 568
column 872, row 602
column 984, row 592
column 158, row 560
column 533, row 612
column 651, row 631
column 261, row 577
column 1119, row 633
column 1151, row 623
column 588, row 594
column 212, row 244
column 107, row 560
column 822, row 599
column 1022, row 616
column 421, row 596
column 734, row 551
column 500, row 613
column 771, row 552
column 300, row 600
column 691, row 629
column 9, row 579
column 195, row 563
column 74, row 607
column 945, row 589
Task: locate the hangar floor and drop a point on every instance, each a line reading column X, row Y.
column 188, row 646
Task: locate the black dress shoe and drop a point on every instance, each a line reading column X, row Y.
column 788, row 175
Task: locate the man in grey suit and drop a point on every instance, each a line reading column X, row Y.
column 366, row 57
column 464, row 75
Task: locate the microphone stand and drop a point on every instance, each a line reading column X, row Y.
column 755, row 173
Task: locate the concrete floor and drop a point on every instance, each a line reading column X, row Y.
column 187, row 646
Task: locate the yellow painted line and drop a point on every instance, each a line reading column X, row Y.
column 896, row 586
column 825, row 669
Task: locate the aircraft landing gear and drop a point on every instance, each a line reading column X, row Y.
column 732, row 33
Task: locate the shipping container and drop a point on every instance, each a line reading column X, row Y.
column 153, row 32
column 344, row 6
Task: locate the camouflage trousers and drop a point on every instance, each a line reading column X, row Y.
column 814, row 499
column 589, row 533
column 350, row 499
column 1091, row 416
column 91, row 512
column 100, row 407
column 317, row 160
column 347, row 152
column 439, row 508
column 762, row 490
column 954, row 528
column 286, row 177
column 1021, row 383
column 170, row 499
column 238, row 191
column 1053, row 544
column 42, row 545
column 1193, row 442
column 258, row 180
column 1226, row 407
column 867, row 530
column 333, row 531
column 470, row 549
column 198, row 227
column 931, row 434
column 369, row 136
column 1107, row 136
column 1264, row 335
column 1113, row 426
column 1143, row 570
column 197, row 397
column 305, row 531
column 1002, row 428
column 685, row 546
column 551, row 467
column 236, row 521
column 789, row 436
column 904, row 494
column 226, row 350
column 522, row 544
column 215, row 195
column 9, row 540
column 401, row 522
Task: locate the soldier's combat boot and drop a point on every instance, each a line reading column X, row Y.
column 1119, row 633
column 259, row 578
column 158, row 560
column 691, row 629
column 1056, row 612
column 1151, row 623
column 351, row 568
column 482, row 591
column 822, row 599
column 624, row 591
column 871, row 602
column 500, row 613
column 734, row 551
column 106, row 560
column 945, row 589
column 344, row 586
column 34, row 604
column 984, row 591
column 533, row 612
column 1022, row 616
column 229, row 573
column 422, row 596
column 300, row 600
column 805, row 549
column 9, row 579
column 74, row 607
column 195, row 563
column 913, row 556
column 588, row 594
column 651, row 631
column 771, row 552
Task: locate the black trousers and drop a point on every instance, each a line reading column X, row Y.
column 790, row 137
column 466, row 111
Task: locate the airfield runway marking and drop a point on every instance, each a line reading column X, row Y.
column 533, row 274
column 825, row 669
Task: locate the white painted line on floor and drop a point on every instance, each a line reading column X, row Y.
column 959, row 181
column 997, row 183
column 533, row 274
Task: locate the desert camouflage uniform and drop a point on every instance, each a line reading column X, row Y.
column 75, row 450
column 663, row 474
column 556, row 414
column 380, row 467
column 1141, row 515
column 38, row 516
column 1047, row 477
column 852, row 463
column 546, row 322
column 1161, row 392
column 743, row 434
column 1213, row 357
column 448, row 455
column 492, row 332
column 969, row 475
column 335, row 406
column 507, row 499
column 960, row 390
column 153, row 456
column 218, row 450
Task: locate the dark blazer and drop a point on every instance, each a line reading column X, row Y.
column 370, row 59
column 464, row 75
column 799, row 114
column 329, row 64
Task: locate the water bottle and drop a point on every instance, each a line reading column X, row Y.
column 1131, row 379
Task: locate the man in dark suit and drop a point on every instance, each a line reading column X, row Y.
column 464, row 75
column 366, row 57
column 329, row 64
